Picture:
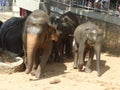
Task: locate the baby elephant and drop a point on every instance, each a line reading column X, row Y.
column 88, row 38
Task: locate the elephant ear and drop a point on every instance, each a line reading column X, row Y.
column 53, row 34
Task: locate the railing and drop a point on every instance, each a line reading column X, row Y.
column 61, row 6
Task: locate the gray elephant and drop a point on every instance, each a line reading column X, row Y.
column 66, row 25
column 37, row 39
column 88, row 38
column 11, row 35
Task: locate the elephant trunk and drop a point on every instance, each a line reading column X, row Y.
column 31, row 50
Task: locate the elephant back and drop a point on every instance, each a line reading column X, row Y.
column 4, row 28
column 87, row 26
column 11, row 34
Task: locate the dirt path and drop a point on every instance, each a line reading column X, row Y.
column 69, row 78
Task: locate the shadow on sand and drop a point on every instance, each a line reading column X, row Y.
column 53, row 69
column 103, row 66
column 56, row 69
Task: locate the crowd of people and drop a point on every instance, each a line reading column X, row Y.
column 98, row 4
column 95, row 4
column 4, row 5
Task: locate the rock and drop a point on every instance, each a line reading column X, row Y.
column 55, row 81
column 10, row 63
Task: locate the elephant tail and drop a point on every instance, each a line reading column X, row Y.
column 31, row 51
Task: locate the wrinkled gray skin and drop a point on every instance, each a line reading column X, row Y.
column 37, row 40
column 66, row 25
column 88, row 38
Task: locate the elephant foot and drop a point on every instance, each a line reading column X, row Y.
column 75, row 66
column 88, row 70
column 27, row 71
column 39, row 75
column 99, row 74
column 33, row 72
column 80, row 67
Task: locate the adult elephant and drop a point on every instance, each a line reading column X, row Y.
column 66, row 25
column 88, row 38
column 37, row 40
column 11, row 35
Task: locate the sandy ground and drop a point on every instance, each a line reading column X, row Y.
column 67, row 77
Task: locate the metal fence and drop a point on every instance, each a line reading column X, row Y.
column 61, row 6
column 106, row 6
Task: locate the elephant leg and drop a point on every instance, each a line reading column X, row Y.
column 33, row 70
column 43, row 60
column 75, row 66
column 61, row 50
column 84, row 55
column 88, row 64
column 81, row 56
column 52, row 55
column 24, row 39
column 68, row 47
column 98, row 53
column 57, row 54
column 35, row 64
column 82, row 46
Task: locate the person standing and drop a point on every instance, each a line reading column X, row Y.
column 119, row 10
column 2, row 4
column 106, row 4
column 24, row 12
